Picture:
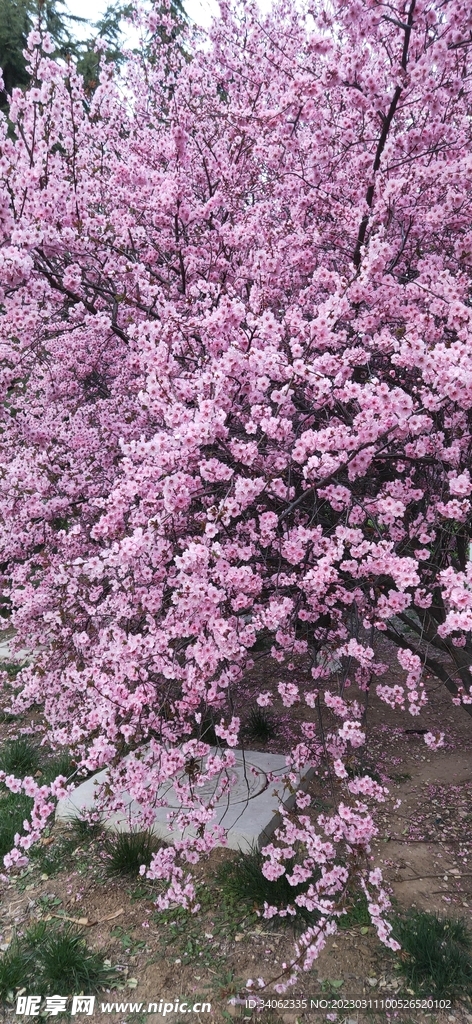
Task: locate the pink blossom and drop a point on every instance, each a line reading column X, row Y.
column 235, row 350
column 434, row 740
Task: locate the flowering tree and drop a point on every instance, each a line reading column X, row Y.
column 237, row 381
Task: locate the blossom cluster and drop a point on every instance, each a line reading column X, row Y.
column 236, row 369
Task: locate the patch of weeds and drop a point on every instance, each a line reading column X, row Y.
column 357, row 912
column 332, row 985
column 50, row 855
column 62, row 764
column 242, row 881
column 180, row 928
column 68, row 965
column 6, row 718
column 19, row 757
column 86, row 829
column 13, row 970
column 12, row 668
column 49, row 901
column 141, row 891
column 226, row 985
column 436, row 954
column 128, row 943
column 14, row 809
column 260, row 725
column 126, row 851
column 48, row 959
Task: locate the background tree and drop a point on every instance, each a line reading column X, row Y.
column 110, row 30
column 17, row 18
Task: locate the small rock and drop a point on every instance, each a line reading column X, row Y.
column 372, row 981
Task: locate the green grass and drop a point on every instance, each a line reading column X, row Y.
column 19, row 757
column 68, row 965
column 260, row 725
column 436, row 955
column 12, row 668
column 357, row 913
column 52, row 858
column 242, row 881
column 14, row 808
column 22, row 757
column 14, row 967
column 48, row 959
column 85, row 829
column 126, row 851
column 61, row 764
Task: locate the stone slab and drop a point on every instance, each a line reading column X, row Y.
column 249, row 813
column 6, row 653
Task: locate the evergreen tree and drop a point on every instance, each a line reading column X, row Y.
column 109, row 29
column 17, row 18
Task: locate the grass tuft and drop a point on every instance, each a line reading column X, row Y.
column 62, row 764
column 242, row 881
column 52, row 858
column 48, row 959
column 14, row 966
column 14, row 809
column 12, row 669
column 126, row 851
column 68, row 965
column 85, row 829
column 260, row 725
column 19, row 757
column 357, row 912
column 436, row 955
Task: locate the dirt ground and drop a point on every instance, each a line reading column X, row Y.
column 424, row 848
